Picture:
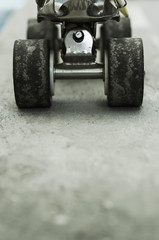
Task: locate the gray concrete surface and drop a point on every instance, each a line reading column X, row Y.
column 80, row 170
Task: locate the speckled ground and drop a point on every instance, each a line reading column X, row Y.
column 80, row 170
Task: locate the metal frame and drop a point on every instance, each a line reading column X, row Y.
column 79, row 46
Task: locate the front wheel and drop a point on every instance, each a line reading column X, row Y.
column 125, row 72
column 31, row 73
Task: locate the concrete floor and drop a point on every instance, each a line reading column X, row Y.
column 80, row 170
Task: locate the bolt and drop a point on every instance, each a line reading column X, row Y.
column 78, row 36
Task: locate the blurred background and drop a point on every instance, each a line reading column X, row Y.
column 7, row 7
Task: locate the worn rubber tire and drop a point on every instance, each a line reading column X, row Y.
column 31, row 73
column 125, row 72
column 113, row 29
column 43, row 30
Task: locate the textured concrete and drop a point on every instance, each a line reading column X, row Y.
column 80, row 170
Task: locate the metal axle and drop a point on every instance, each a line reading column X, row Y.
column 81, row 73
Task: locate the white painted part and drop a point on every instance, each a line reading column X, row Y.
column 52, row 83
column 138, row 18
column 59, row 26
column 12, row 5
column 106, row 72
column 98, row 29
column 98, row 58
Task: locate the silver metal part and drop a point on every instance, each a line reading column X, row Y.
column 106, row 72
column 74, row 47
column 52, row 82
column 69, row 72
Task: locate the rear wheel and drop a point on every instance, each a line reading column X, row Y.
column 125, row 72
column 31, row 72
column 43, row 30
column 113, row 29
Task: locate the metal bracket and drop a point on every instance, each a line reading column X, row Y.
column 79, row 45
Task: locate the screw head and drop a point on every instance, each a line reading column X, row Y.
column 78, row 36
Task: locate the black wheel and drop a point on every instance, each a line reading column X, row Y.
column 43, row 30
column 31, row 73
column 125, row 72
column 113, row 29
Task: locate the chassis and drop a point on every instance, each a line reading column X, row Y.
column 62, row 44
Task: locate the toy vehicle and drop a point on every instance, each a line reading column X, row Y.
column 63, row 44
